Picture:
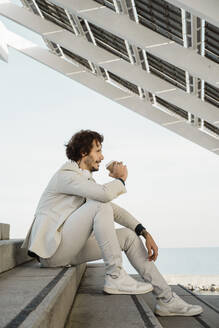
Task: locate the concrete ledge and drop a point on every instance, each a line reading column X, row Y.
column 4, row 231
column 11, row 254
column 36, row 297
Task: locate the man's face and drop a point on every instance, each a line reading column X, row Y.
column 93, row 159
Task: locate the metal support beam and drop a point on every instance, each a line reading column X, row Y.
column 132, row 12
column 112, row 63
column 193, row 38
column 137, row 56
column 3, row 43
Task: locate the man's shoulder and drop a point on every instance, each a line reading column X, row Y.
column 73, row 167
column 69, row 166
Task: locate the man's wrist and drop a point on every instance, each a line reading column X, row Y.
column 121, row 180
column 139, row 229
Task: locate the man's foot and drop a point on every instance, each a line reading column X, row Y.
column 176, row 306
column 124, row 284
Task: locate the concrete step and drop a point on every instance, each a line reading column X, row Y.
column 94, row 309
column 4, row 231
column 11, row 254
column 36, row 297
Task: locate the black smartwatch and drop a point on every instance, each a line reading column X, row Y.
column 139, row 228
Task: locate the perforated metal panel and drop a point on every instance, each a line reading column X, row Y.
column 162, row 17
column 80, row 60
column 54, row 14
column 109, row 42
column 108, row 3
column 176, row 110
column 167, row 71
column 212, row 94
column 212, row 42
column 131, row 86
column 211, row 128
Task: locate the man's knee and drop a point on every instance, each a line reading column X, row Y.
column 100, row 205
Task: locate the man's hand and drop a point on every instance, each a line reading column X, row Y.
column 151, row 246
column 119, row 171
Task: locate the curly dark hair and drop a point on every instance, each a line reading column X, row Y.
column 81, row 142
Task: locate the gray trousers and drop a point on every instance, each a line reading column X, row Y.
column 89, row 234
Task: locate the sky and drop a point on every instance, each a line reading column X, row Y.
column 172, row 185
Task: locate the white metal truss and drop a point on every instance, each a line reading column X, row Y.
column 131, row 76
column 193, row 37
column 73, row 22
column 131, row 101
column 110, row 62
column 144, row 38
column 137, row 56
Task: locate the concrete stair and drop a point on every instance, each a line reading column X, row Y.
column 11, row 254
column 94, row 309
column 36, row 297
column 4, row 231
column 30, row 295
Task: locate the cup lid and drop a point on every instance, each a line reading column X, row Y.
column 108, row 164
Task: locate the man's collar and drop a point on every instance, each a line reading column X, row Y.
column 73, row 166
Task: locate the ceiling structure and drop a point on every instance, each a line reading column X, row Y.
column 3, row 44
column 158, row 58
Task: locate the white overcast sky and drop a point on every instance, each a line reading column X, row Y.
column 172, row 187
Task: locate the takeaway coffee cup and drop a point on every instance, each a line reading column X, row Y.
column 109, row 166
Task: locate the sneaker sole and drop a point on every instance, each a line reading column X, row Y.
column 170, row 314
column 116, row 291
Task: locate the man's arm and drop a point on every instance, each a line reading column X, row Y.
column 127, row 220
column 123, row 217
column 72, row 183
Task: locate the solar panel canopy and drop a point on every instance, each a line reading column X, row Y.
column 158, row 58
column 3, row 44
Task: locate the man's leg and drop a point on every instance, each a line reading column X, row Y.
column 92, row 216
column 168, row 302
column 137, row 255
column 97, row 217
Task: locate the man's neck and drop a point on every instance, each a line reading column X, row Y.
column 82, row 165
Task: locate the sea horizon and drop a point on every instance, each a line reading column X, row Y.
column 184, row 261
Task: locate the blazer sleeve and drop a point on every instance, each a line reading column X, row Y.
column 72, row 183
column 123, row 217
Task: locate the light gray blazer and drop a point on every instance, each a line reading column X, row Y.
column 66, row 191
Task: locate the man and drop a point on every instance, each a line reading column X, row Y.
column 74, row 223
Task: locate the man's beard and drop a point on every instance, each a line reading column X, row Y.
column 94, row 169
column 91, row 167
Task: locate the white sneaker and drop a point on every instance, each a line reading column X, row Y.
column 176, row 306
column 124, row 284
